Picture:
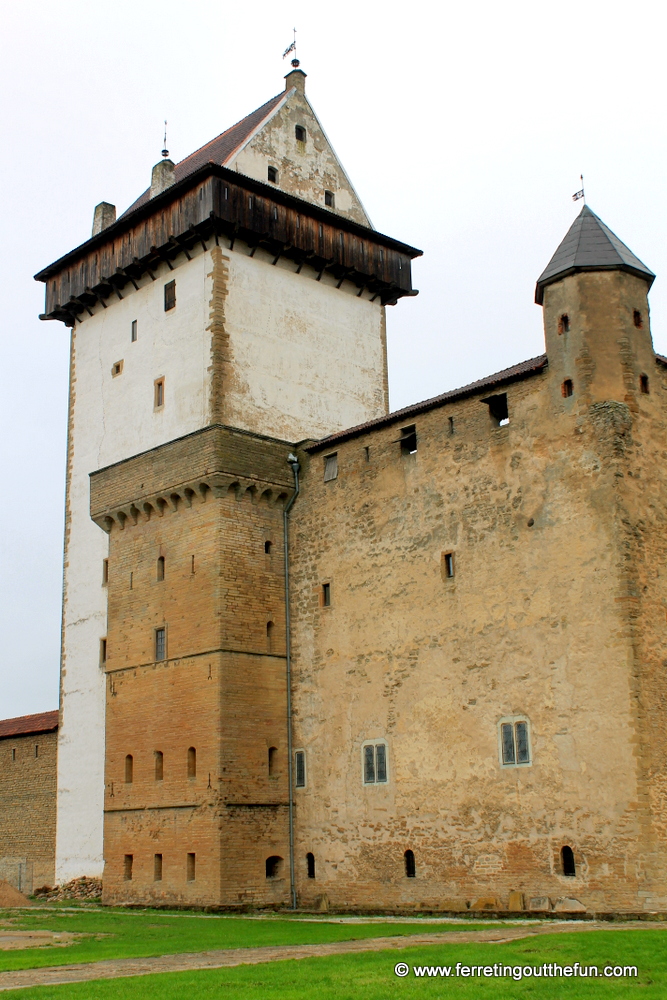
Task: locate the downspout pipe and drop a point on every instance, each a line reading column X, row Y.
column 294, row 462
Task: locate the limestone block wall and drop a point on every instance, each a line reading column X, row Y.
column 533, row 625
column 28, row 813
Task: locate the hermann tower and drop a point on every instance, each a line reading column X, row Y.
column 237, row 307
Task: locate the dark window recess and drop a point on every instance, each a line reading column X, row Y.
column 269, row 637
column 300, row 768
column 159, row 765
column 159, row 393
column 329, row 199
column 190, row 869
column 326, row 595
column 567, row 388
column 129, row 769
column 448, row 564
column 637, row 319
column 451, row 424
column 515, row 746
column 331, row 467
column 267, row 548
column 36, row 749
column 103, row 651
column 564, row 323
column 567, row 858
column 157, row 867
column 133, row 335
column 169, row 295
column 273, row 761
column 250, row 203
column 192, row 564
column 408, row 440
column 272, row 175
column 300, row 133
column 160, row 643
column 310, row 864
column 498, row 409
column 273, row 866
column 375, row 764
column 321, row 231
column 105, row 571
column 160, row 568
column 127, row 866
column 409, row 859
column 192, row 762
column 367, row 452
column 643, row 384
column 13, row 753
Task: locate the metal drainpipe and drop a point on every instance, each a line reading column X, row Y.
column 293, row 461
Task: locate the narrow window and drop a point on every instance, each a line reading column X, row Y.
column 13, row 753
column 272, row 175
column 637, row 319
column 190, row 868
column 367, row 452
column 326, row 595
column 310, row 864
column 448, row 564
column 129, row 769
column 36, row 749
column 159, row 765
column 331, row 467
column 408, row 440
column 160, row 568
column 105, row 572
column 521, row 739
column 157, row 867
column 515, row 743
column 269, row 636
column 250, row 202
column 321, row 232
column 564, row 323
column 192, row 762
column 192, row 564
column 300, row 133
column 375, row 763
column 380, row 762
column 169, row 295
column 567, row 858
column 507, row 731
column 133, row 335
column 103, row 651
column 451, row 424
column 329, row 199
column 567, row 388
column 300, row 768
column 116, row 368
column 160, row 643
column 267, row 548
column 498, row 409
column 410, row 869
column 273, row 866
column 131, row 581
column 643, row 384
column 127, row 866
column 159, row 393
column 273, row 761
column 369, row 765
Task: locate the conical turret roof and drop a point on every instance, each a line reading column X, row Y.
column 590, row 246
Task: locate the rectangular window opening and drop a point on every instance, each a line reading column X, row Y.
column 331, row 467
column 160, row 643
column 326, row 595
column 191, row 868
column 105, row 572
column 448, row 565
column 408, row 440
column 159, row 393
column 300, row 768
column 170, row 295
column 128, row 861
column 515, row 743
column 103, row 651
column 157, row 867
column 498, row 410
column 375, row 763
column 36, row 749
column 133, row 335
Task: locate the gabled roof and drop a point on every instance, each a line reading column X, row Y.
column 221, row 149
column 590, row 246
column 42, row 722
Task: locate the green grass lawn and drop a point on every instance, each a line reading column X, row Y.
column 137, row 934
column 370, row 976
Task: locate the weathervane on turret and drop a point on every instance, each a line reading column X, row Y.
column 580, row 194
column 292, row 48
column 165, row 151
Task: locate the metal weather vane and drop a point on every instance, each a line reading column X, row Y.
column 580, row 194
column 292, row 47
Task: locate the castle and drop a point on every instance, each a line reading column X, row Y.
column 316, row 653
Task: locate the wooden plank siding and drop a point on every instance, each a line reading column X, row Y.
column 214, row 202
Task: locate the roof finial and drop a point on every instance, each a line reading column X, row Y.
column 580, row 194
column 292, row 48
column 165, row 151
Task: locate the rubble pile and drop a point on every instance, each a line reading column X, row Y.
column 77, row 888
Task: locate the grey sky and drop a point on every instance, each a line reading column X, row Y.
column 464, row 128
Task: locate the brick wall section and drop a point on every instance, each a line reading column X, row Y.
column 28, row 803
column 220, row 690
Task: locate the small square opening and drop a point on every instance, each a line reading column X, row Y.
column 498, row 410
column 408, row 440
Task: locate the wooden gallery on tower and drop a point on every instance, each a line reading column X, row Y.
column 319, row 654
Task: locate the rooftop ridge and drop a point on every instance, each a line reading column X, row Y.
column 22, row 725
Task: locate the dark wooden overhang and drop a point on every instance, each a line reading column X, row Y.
column 212, row 202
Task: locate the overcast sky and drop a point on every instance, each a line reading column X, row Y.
column 464, row 128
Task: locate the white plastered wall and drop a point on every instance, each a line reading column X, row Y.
column 112, row 419
column 308, row 358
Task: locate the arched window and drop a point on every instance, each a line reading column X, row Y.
column 567, row 858
column 564, row 324
column 160, row 568
column 129, row 769
column 273, row 761
column 267, row 548
column 274, row 866
column 409, row 859
column 159, row 765
column 192, row 762
column 310, row 864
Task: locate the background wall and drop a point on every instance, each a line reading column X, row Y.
column 464, row 130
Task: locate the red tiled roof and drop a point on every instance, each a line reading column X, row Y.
column 514, row 374
column 41, row 722
column 219, row 149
